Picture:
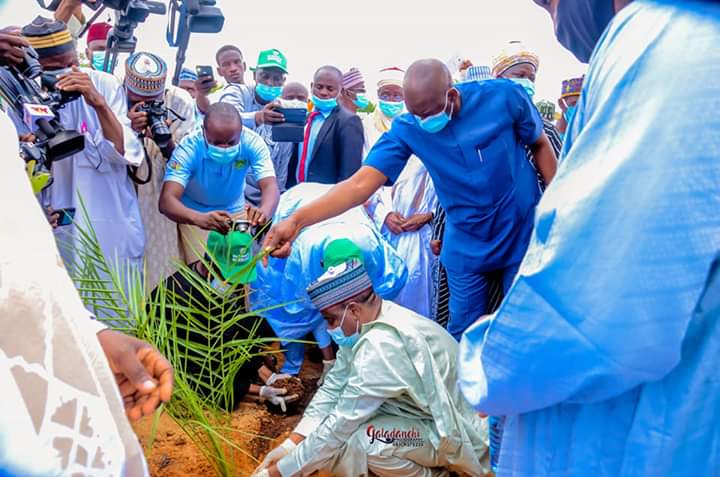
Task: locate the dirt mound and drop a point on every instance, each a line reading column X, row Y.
column 257, row 429
column 293, row 386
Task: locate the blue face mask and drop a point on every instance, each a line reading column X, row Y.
column 361, row 101
column 339, row 337
column 324, row 105
column 98, row 60
column 527, row 84
column 570, row 114
column 437, row 122
column 391, row 108
column 222, row 155
column 581, row 23
column 268, row 93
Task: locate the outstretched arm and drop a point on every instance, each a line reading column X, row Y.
column 344, row 196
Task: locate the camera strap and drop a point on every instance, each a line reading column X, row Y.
column 132, row 170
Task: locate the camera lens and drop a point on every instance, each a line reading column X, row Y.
column 160, row 132
column 30, row 66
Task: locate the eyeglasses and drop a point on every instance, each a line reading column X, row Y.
column 391, row 97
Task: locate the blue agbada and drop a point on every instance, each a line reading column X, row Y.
column 284, row 281
column 604, row 354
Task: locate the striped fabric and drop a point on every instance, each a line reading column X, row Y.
column 339, row 284
column 48, row 37
column 554, row 136
column 441, row 290
column 441, row 293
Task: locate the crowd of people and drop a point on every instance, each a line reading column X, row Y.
column 492, row 288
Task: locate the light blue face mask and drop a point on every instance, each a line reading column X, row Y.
column 339, row 337
column 437, row 122
column 222, row 155
column 391, row 108
column 268, row 93
column 527, row 84
column 220, row 286
column 361, row 101
column 324, row 105
column 570, row 113
column 98, row 60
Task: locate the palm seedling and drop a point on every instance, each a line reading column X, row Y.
column 192, row 332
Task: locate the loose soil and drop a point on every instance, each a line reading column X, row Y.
column 293, row 386
column 260, row 429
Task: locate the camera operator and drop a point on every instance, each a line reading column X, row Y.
column 148, row 94
column 98, row 174
column 87, row 363
column 70, row 13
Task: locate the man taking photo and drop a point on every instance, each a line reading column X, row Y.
column 96, row 178
column 161, row 115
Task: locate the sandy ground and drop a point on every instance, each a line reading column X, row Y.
column 260, row 429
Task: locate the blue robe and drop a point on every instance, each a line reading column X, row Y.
column 604, row 354
column 284, row 281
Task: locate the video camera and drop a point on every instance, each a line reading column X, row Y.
column 190, row 16
column 185, row 17
column 129, row 13
column 39, row 111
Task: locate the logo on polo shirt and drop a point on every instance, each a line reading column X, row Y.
column 240, row 163
column 174, row 165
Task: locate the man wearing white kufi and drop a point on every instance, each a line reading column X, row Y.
column 403, row 212
column 391, row 405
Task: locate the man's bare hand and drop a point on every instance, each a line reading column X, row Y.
column 217, row 220
column 268, row 115
column 416, row 222
column 11, row 45
column 280, row 237
column 205, row 84
column 53, row 217
column 394, row 222
column 436, row 247
column 144, row 377
column 255, row 216
column 138, row 119
column 79, row 81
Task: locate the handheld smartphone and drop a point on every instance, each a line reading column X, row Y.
column 65, row 216
column 204, row 72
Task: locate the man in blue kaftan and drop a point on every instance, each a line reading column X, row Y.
column 604, row 355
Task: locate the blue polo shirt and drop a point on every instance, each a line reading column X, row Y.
column 480, row 172
column 212, row 186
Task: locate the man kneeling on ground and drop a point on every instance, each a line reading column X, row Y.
column 390, row 405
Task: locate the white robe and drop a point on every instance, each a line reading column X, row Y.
column 61, row 412
column 391, row 406
column 99, row 175
column 162, row 251
column 412, row 193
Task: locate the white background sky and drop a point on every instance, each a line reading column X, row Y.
column 368, row 34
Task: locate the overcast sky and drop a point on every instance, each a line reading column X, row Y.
column 369, row 34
